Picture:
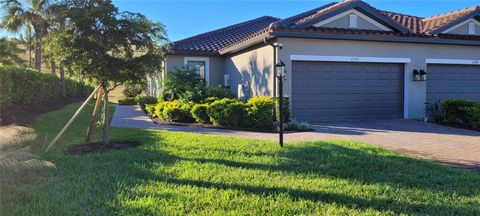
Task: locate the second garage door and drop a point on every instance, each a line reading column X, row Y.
column 326, row 91
column 453, row 81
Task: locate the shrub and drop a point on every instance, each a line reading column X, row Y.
column 131, row 90
column 199, row 113
column 259, row 112
column 159, row 107
column 177, row 112
column 150, row 110
column 435, row 112
column 144, row 100
column 27, row 88
column 298, row 127
column 179, row 82
column 127, row 102
column 210, row 100
column 462, row 112
column 218, row 92
column 286, row 109
column 226, row 112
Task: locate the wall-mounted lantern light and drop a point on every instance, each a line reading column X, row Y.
column 423, row 75
column 416, row 75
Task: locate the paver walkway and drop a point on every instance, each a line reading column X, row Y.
column 447, row 145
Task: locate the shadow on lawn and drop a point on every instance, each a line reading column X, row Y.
column 366, row 166
column 325, row 159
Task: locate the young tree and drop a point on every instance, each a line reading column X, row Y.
column 27, row 13
column 110, row 47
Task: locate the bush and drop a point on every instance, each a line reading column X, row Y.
column 127, row 101
column 150, row 110
column 435, row 113
column 210, row 100
column 159, row 107
column 462, row 112
column 177, row 112
column 298, row 127
column 131, row 90
column 144, row 100
column 286, row 109
column 199, row 113
column 183, row 83
column 28, row 88
column 226, row 112
column 218, row 92
column 259, row 112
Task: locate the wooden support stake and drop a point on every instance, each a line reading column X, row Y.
column 72, row 119
column 98, row 104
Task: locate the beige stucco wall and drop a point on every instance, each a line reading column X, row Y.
column 344, row 22
column 216, row 66
column 415, row 91
column 463, row 30
column 254, row 68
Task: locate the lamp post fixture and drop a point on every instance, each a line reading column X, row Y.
column 281, row 74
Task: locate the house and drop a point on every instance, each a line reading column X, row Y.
column 344, row 60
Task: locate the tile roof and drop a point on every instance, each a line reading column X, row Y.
column 432, row 23
column 212, row 43
column 412, row 23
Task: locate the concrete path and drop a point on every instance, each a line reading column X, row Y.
column 452, row 146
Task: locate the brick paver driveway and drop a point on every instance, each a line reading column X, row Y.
column 447, row 145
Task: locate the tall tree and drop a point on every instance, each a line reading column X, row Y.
column 9, row 52
column 110, row 47
column 27, row 39
column 28, row 12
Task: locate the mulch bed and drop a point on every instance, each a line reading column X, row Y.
column 23, row 116
column 99, row 147
column 199, row 125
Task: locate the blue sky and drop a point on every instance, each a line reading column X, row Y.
column 187, row 18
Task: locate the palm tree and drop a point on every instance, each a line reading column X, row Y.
column 9, row 52
column 32, row 13
column 28, row 40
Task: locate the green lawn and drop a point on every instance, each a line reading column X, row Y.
column 182, row 173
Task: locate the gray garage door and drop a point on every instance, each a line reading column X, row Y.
column 326, row 91
column 453, row 81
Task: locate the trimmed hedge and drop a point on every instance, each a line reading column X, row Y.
column 226, row 112
column 127, row 102
column 462, row 112
column 199, row 113
column 26, row 87
column 259, row 112
column 174, row 111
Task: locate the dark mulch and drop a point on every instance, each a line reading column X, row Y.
column 24, row 115
column 199, row 125
column 99, row 147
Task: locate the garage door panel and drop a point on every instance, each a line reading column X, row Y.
column 453, row 82
column 346, row 90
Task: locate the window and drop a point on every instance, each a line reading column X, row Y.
column 353, row 21
column 471, row 28
column 201, row 65
column 197, row 66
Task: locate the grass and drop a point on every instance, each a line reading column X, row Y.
column 184, row 173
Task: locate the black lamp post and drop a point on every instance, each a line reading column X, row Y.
column 281, row 74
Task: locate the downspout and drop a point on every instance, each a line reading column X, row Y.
column 275, row 57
